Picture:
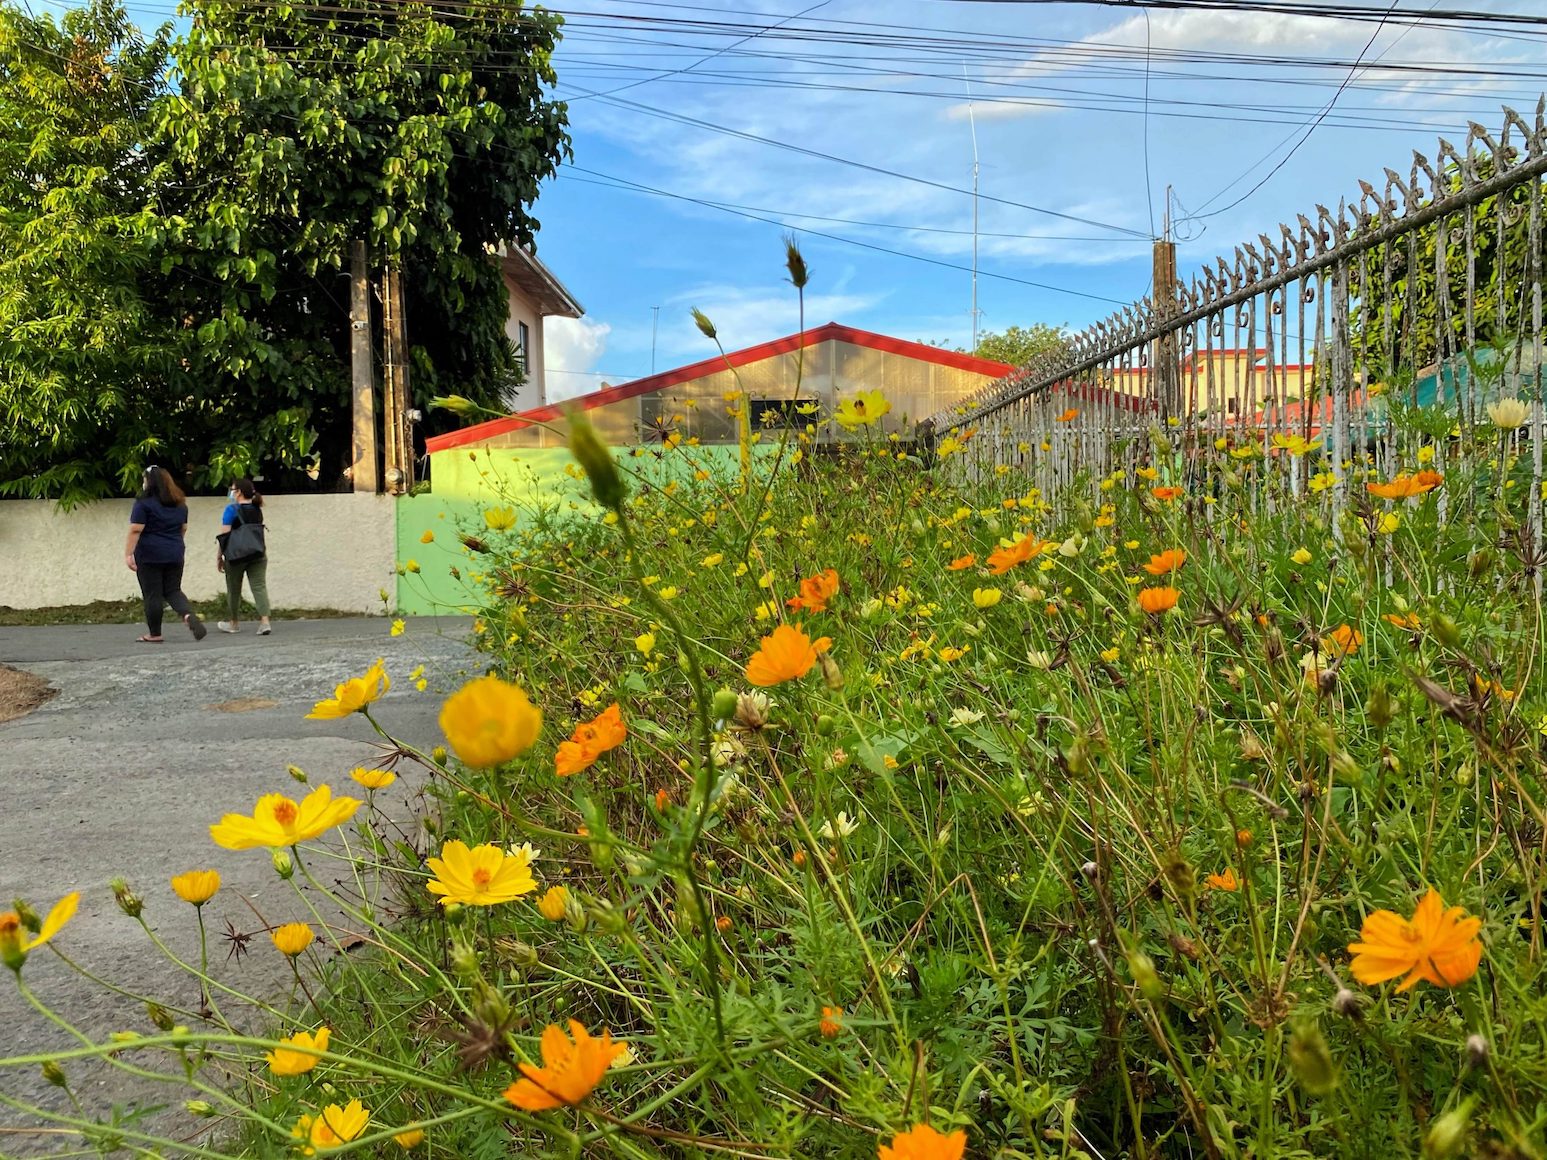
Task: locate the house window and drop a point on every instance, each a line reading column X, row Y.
column 776, row 413
column 523, row 344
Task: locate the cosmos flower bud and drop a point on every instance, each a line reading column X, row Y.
column 283, row 866
column 597, row 462
column 1349, row 1004
column 1311, row 1059
column 54, row 1074
column 1476, row 1050
column 128, row 901
column 723, row 706
column 1447, row 1134
column 825, row 725
column 705, row 327
column 1445, row 630
column 458, row 405
column 199, row 1107
column 1142, row 968
column 464, row 961
column 296, row 772
column 1380, row 707
column 832, row 675
column 524, row 955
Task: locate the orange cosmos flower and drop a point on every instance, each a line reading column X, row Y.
column 1001, row 560
column 815, row 592
column 1343, row 640
column 1166, row 494
column 590, row 740
column 962, row 562
column 1407, row 620
column 1406, row 486
column 832, row 1022
column 1437, row 945
column 785, row 654
column 1168, row 561
column 1225, row 881
column 921, row 1142
column 1156, row 601
column 1070, row 415
column 569, row 1071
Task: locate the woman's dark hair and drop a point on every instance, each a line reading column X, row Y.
column 159, row 484
column 248, row 491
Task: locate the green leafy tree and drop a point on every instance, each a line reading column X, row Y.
column 1397, row 321
column 426, row 130
column 1019, row 345
column 90, row 373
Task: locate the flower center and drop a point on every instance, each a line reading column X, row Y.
column 481, row 877
column 285, row 813
column 9, row 922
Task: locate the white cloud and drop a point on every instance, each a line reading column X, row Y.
column 572, row 347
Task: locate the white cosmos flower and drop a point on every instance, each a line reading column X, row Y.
column 965, row 716
column 840, row 827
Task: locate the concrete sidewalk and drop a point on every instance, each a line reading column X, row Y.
column 122, row 774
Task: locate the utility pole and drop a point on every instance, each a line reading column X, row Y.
column 1165, row 372
column 364, row 472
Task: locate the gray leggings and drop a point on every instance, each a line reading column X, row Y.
column 257, row 573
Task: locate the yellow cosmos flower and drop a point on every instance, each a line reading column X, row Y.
column 499, row 519
column 645, row 643
column 286, row 1060
column 489, row 721
column 14, row 945
column 398, row 627
column 951, row 653
column 374, row 778
column 481, row 876
column 861, row 409
column 1300, row 556
column 427, row 537
column 409, row 1139
column 332, row 1126
column 714, row 560
column 986, row 597
column 552, row 904
column 354, row 694
column 292, row 938
column 196, row 886
column 1388, row 523
column 278, row 821
column 1507, row 414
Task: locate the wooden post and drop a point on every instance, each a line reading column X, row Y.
column 1163, row 358
column 397, row 438
column 365, row 472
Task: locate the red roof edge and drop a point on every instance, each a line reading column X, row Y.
column 832, row 332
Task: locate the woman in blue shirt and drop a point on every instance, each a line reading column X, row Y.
column 154, row 552
column 247, row 506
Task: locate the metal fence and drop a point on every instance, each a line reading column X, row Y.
column 1361, row 335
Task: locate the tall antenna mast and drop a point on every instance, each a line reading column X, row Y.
column 972, row 124
column 655, row 323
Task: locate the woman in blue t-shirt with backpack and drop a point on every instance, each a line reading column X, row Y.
column 158, row 525
column 243, row 553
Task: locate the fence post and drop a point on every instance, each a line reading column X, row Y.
column 365, row 472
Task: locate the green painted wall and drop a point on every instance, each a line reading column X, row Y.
column 466, row 482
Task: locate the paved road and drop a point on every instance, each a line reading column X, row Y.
column 122, row 773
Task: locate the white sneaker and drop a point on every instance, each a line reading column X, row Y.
column 226, row 626
column 263, row 630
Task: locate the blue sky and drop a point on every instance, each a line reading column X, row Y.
column 1083, row 116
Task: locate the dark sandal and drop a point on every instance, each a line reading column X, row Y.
column 196, row 626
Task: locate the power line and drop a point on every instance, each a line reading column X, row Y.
column 1322, row 116
column 634, row 186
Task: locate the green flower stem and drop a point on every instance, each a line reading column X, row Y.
column 705, row 780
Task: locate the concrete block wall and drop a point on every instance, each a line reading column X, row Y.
column 325, row 551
